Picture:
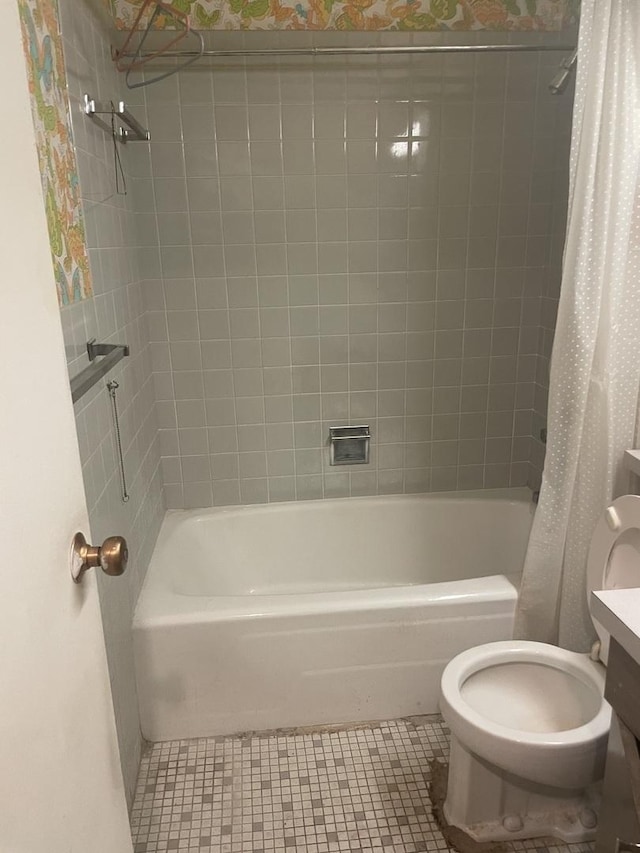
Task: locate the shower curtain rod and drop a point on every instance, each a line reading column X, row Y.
column 358, row 51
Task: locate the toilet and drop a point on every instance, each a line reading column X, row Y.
column 528, row 721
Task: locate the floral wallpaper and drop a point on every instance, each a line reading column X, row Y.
column 60, row 186
column 515, row 15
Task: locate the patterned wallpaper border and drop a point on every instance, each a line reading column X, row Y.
column 42, row 42
column 510, row 15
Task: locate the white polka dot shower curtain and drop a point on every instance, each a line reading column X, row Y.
column 595, row 366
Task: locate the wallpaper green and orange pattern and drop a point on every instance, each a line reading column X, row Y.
column 60, row 186
column 516, row 15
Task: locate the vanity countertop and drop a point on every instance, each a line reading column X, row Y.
column 618, row 611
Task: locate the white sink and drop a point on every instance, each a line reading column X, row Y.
column 618, row 611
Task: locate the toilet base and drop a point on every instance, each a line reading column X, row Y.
column 491, row 805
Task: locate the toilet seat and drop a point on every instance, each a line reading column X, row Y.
column 614, row 555
column 563, row 757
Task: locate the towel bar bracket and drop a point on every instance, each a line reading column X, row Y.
column 94, row 349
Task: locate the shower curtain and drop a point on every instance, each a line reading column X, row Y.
column 595, row 366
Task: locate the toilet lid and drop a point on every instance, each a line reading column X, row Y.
column 614, row 555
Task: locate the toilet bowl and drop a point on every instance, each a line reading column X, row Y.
column 528, row 721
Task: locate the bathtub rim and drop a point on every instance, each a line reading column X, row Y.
column 166, row 608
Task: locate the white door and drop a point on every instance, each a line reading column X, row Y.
column 60, row 783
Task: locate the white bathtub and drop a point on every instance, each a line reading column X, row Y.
column 255, row 618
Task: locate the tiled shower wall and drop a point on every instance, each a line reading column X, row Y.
column 549, row 296
column 115, row 313
column 350, row 241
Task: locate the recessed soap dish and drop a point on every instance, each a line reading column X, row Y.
column 349, row 445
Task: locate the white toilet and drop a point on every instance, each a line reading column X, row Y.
column 528, row 721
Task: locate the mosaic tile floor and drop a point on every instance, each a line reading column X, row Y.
column 356, row 789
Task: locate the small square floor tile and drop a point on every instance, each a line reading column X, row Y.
column 362, row 789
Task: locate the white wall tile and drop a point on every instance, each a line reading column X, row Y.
column 372, row 241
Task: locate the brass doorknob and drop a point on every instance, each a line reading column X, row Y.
column 111, row 556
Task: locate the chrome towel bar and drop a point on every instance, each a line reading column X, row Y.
column 87, row 378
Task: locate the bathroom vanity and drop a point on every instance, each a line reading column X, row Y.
column 619, row 827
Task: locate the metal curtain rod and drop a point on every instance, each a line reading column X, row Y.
column 358, row 51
